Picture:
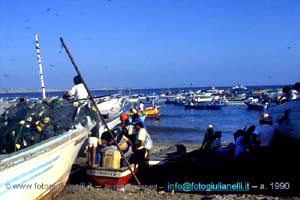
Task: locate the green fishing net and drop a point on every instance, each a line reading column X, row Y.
column 26, row 124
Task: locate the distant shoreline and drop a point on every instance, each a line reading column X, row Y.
column 35, row 90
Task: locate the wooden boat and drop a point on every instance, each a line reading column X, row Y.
column 109, row 177
column 153, row 113
column 257, row 106
column 41, row 171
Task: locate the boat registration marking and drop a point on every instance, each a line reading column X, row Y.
column 103, row 173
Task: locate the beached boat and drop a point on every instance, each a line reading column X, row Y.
column 109, row 177
column 41, row 171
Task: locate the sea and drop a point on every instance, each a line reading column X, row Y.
column 178, row 125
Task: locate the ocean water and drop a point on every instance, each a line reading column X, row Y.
column 178, row 125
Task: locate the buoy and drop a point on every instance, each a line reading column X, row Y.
column 29, row 119
column 75, row 104
column 46, row 120
column 41, row 113
column 13, row 133
column 48, row 101
column 25, row 143
column 39, row 128
column 94, row 108
column 18, row 146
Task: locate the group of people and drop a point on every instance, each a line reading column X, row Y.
column 132, row 138
column 250, row 143
column 289, row 93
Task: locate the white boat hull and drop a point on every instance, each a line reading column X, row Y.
column 42, row 170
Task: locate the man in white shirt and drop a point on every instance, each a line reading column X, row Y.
column 78, row 90
column 142, row 107
column 143, row 144
column 265, row 132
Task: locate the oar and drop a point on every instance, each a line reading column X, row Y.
column 98, row 111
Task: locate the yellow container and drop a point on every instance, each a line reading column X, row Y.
column 111, row 159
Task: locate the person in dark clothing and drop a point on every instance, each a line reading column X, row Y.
column 208, row 138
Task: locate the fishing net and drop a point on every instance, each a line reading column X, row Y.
column 26, row 124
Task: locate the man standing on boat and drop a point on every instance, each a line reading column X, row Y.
column 78, row 91
column 142, row 107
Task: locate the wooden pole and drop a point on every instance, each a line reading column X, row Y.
column 37, row 47
column 98, row 111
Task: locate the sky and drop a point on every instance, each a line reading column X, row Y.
column 151, row 43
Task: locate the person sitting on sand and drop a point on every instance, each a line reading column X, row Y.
column 78, row 91
column 216, row 143
column 265, row 135
column 208, row 138
column 105, row 138
column 243, row 143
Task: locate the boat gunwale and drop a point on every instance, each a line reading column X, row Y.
column 15, row 158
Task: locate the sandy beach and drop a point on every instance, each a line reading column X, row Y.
column 131, row 191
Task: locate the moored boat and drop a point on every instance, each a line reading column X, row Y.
column 153, row 113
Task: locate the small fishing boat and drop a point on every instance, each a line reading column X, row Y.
column 153, row 113
column 110, row 177
column 256, row 104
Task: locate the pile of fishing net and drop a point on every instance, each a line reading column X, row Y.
column 26, row 124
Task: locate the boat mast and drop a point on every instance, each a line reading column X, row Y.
column 129, row 93
column 37, row 47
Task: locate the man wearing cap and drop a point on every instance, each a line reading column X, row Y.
column 143, row 143
column 208, row 138
column 127, row 127
column 265, row 134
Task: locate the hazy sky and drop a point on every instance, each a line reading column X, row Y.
column 151, row 43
